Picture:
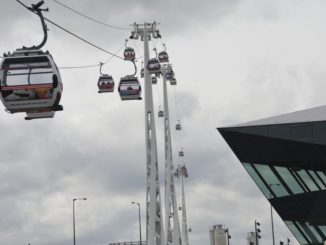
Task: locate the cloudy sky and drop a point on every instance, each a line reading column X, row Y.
column 235, row 61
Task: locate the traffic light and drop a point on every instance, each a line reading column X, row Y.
column 257, row 231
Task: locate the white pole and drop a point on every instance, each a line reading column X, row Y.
column 154, row 226
column 185, row 238
column 172, row 230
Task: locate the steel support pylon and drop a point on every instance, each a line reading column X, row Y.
column 172, row 225
column 154, row 224
column 185, row 238
column 183, row 173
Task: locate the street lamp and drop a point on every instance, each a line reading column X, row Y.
column 137, row 203
column 73, row 215
column 271, row 185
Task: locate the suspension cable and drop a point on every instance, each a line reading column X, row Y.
column 90, row 66
column 71, row 33
column 84, row 40
column 77, row 67
column 108, row 60
column 90, row 18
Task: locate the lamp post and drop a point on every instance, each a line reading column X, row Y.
column 271, row 185
column 137, row 203
column 73, row 216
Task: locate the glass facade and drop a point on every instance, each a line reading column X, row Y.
column 286, row 157
column 280, row 181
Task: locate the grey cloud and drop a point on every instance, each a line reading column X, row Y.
column 95, row 147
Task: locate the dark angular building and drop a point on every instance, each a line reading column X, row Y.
column 286, row 157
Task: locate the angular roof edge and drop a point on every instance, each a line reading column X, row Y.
column 308, row 115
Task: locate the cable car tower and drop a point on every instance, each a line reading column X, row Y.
column 172, row 225
column 154, row 222
column 183, row 173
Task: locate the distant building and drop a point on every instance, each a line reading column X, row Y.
column 286, row 157
column 217, row 235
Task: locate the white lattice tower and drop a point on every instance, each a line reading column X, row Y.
column 154, row 224
column 172, row 224
column 183, row 173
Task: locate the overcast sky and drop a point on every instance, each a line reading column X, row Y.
column 235, row 61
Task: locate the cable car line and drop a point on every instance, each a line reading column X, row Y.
column 91, row 66
column 71, row 33
column 108, row 60
column 77, row 67
column 84, row 40
column 90, row 18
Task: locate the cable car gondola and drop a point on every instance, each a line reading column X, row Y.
column 160, row 113
column 169, row 75
column 181, row 153
column 105, row 84
column 30, row 82
column 163, row 57
column 153, row 66
column 173, row 81
column 154, row 80
column 178, row 126
column 129, row 54
column 129, row 88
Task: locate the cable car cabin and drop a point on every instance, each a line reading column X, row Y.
column 181, row 154
column 160, row 113
column 129, row 88
column 153, row 66
column 169, row 75
column 178, row 126
column 30, row 82
column 173, row 81
column 142, row 73
column 129, row 54
column 154, row 80
column 105, row 84
column 163, row 57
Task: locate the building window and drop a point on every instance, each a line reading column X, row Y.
column 289, row 179
column 307, row 180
